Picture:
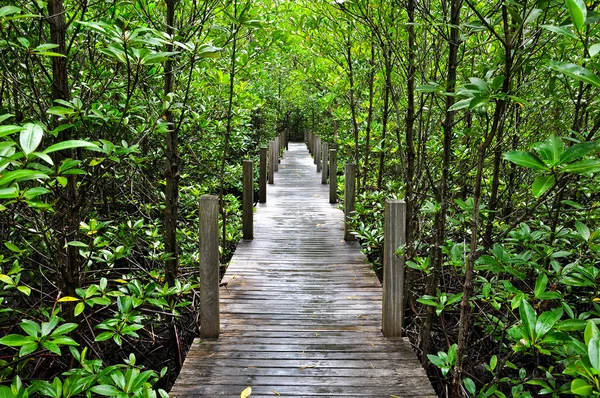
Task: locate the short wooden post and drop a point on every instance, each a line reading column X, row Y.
column 393, row 268
column 332, row 176
column 325, row 166
column 310, row 140
column 209, row 267
column 276, row 154
column 248, row 200
column 279, row 148
column 271, row 162
column 318, row 154
column 287, row 140
column 262, row 175
column 306, row 136
column 349, row 192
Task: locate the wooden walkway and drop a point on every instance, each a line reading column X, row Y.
column 301, row 313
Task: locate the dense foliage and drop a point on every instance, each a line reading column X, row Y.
column 115, row 117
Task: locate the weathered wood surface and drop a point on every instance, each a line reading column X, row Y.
column 301, row 313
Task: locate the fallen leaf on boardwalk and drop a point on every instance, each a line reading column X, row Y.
column 395, row 396
column 372, row 367
column 373, row 345
column 246, row 393
column 352, row 297
column 306, row 366
column 316, row 334
column 276, row 393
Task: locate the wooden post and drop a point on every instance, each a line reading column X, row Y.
column 276, row 154
column 318, row 155
column 325, row 166
column 332, row 176
column 209, row 267
column 287, row 140
column 393, row 268
column 310, row 137
column 271, row 162
column 279, row 148
column 262, row 175
column 349, row 192
column 248, row 200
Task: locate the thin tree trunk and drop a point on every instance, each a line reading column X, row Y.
column 352, row 101
column 442, row 194
column 69, row 208
column 232, row 72
column 370, row 111
column 497, row 125
column 171, row 167
column 386, row 105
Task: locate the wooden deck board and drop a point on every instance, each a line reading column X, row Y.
column 301, row 312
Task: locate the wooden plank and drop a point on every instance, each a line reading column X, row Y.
column 301, row 309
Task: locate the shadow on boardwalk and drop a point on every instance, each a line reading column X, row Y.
column 301, row 314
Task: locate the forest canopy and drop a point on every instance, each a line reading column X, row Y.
column 116, row 116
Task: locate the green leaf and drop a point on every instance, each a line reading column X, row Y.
column 9, row 129
column 35, row 192
column 30, row 137
column 581, row 387
column 546, row 321
column 30, row 327
column 594, row 50
column 104, row 336
column 577, row 11
column 551, row 150
column 9, row 193
column 51, row 346
column 571, row 325
column 583, row 230
column 576, row 72
column 208, row 51
column 79, row 308
column 64, row 328
column 540, row 284
column 469, row 385
column 577, row 151
column 583, row 167
column 591, row 332
column 15, row 340
column 9, row 10
column 427, row 88
column 526, row 159
column 70, row 145
column 493, row 362
column 528, row 317
column 21, row 175
column 24, row 289
column 542, row 184
column 461, row 104
column 28, row 349
column 106, row 390
column 594, row 352
column 561, row 30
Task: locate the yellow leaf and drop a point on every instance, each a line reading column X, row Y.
column 596, row 299
column 121, row 280
column 246, row 393
column 306, row 366
column 67, row 299
column 276, row 393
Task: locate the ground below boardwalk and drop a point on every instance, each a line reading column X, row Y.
column 301, row 313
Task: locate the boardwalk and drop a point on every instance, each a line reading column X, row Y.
column 301, row 314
